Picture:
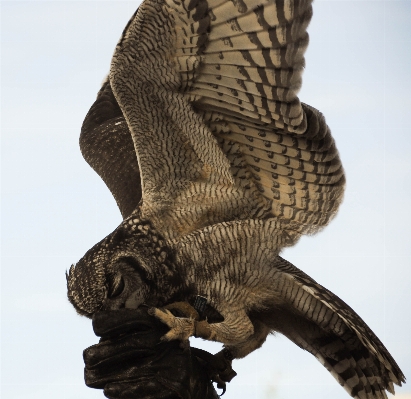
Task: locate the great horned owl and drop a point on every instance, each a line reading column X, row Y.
column 216, row 166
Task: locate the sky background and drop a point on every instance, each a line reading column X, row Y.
column 54, row 56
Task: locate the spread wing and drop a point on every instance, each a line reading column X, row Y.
column 209, row 93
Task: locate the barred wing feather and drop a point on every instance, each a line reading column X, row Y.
column 242, row 64
column 321, row 323
column 209, row 91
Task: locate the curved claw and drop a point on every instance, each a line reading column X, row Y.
column 219, row 367
column 220, row 383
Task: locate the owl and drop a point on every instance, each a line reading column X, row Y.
column 216, row 166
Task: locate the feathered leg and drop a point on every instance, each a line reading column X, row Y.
column 252, row 343
column 236, row 327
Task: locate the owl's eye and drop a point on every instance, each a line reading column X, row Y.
column 116, row 286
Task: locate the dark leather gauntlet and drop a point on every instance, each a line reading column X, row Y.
column 130, row 361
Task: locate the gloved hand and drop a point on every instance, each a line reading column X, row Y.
column 130, row 362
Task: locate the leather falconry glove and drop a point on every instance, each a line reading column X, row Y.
column 131, row 362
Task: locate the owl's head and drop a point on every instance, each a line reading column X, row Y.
column 120, row 271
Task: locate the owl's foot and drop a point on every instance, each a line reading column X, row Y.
column 218, row 365
column 181, row 328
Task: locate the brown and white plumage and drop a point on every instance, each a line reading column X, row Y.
column 216, row 166
column 229, row 104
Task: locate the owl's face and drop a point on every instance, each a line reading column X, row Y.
column 119, row 271
column 125, row 286
column 106, row 279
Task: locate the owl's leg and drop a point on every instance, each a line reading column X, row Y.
column 252, row 343
column 183, row 309
column 238, row 351
column 235, row 328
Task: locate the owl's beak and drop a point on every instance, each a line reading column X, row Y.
column 134, row 300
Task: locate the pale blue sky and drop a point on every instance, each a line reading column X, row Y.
column 54, row 207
